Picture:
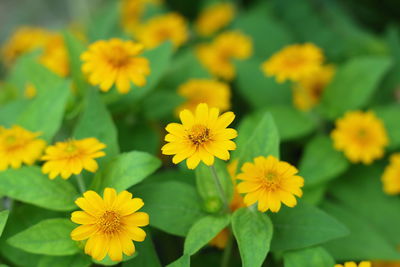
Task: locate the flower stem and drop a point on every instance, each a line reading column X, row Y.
column 81, row 183
column 227, row 251
column 219, row 188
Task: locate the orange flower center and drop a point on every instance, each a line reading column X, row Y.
column 269, row 181
column 109, row 222
column 12, row 143
column 294, row 61
column 199, row 134
column 118, row 57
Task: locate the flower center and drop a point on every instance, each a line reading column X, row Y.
column 294, row 61
column 109, row 222
column 163, row 34
column 71, row 147
column 199, row 134
column 270, row 181
column 12, row 143
column 118, row 57
column 10, row 140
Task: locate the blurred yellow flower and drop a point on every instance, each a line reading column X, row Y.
column 55, row 55
column 218, row 56
column 308, row 91
column 169, row 27
column 361, row 136
column 391, row 176
column 353, row 264
column 214, row 18
column 294, row 62
column 71, row 157
column 19, row 146
column 30, row 91
column 214, row 93
column 115, row 62
column 132, row 12
column 386, row 264
column 221, row 239
column 202, row 136
column 270, row 182
column 109, row 224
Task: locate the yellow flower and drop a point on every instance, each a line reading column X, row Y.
column 386, row 264
column 220, row 240
column 30, row 91
column 270, row 182
column 218, row 56
column 212, row 92
column 170, row 27
column 353, row 264
column 294, row 62
column 115, row 62
column 133, row 11
column 391, row 176
column 19, row 146
column 55, row 55
column 71, row 157
column 214, row 18
column 109, row 224
column 361, row 136
column 308, row 91
column 201, row 136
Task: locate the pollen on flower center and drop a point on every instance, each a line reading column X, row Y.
column 269, row 181
column 199, row 134
column 109, row 222
column 119, row 57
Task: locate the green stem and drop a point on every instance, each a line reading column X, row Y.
column 81, row 183
column 228, row 251
column 219, row 188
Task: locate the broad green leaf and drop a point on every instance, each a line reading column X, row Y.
column 126, row 170
column 161, row 104
column 147, row 255
column 353, row 84
column 203, row 231
column 183, row 261
column 3, row 220
column 253, row 233
column 11, row 111
column 78, row 260
column 48, row 237
column 390, row 115
column 173, row 206
column 304, row 226
column 105, row 23
column 29, row 185
column 107, row 261
column 308, row 257
column 329, row 165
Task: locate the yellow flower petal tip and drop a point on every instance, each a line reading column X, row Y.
column 354, row 264
column 361, row 136
column 71, row 157
column 110, row 223
column 201, row 136
column 269, row 182
column 214, row 18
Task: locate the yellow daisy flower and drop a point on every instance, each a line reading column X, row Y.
column 214, row 93
column 19, row 146
column 361, row 136
column 109, row 224
column 218, row 56
column 214, row 18
column 202, row 136
column 169, row 27
column 71, row 157
column 55, row 55
column 132, row 11
column 308, row 91
column 270, row 182
column 115, row 62
column 353, row 264
column 391, row 176
column 30, row 91
column 294, row 62
column 386, row 264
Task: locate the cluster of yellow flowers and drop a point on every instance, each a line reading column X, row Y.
column 353, row 264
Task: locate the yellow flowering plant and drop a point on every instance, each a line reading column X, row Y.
column 199, row 133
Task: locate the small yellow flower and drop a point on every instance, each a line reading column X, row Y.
column 19, row 146
column 361, row 136
column 308, row 91
column 270, row 182
column 212, row 92
column 218, row 56
column 202, row 136
column 353, row 264
column 391, row 176
column 170, row 27
column 214, row 18
column 55, row 55
column 132, row 12
column 115, row 62
column 294, row 62
column 109, row 224
column 386, row 264
column 30, row 91
column 71, row 157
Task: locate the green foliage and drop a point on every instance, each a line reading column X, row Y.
column 183, row 261
column 309, row 257
column 146, row 255
column 3, row 220
column 389, row 115
column 78, row 260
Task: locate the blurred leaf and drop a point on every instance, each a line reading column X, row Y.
column 78, row 260
column 161, row 104
column 183, row 261
column 75, row 48
column 248, row 224
column 105, row 23
column 48, row 237
column 3, row 220
column 390, row 115
column 309, row 257
column 11, row 111
column 107, row 261
column 147, row 255
column 29, row 185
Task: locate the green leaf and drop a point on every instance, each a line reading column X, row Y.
column 161, row 104
column 11, row 111
column 173, row 206
column 107, row 261
column 105, row 23
column 126, row 170
column 390, row 115
column 29, row 185
column 147, row 255
column 253, row 233
column 78, row 260
column 3, row 220
column 75, row 48
column 304, row 226
column 48, row 237
column 203, row 231
column 183, row 261
column 309, row 257
column 353, row 84
column 330, row 164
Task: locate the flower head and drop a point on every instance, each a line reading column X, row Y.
column 71, row 157
column 19, row 146
column 391, row 176
column 115, row 62
column 132, row 12
column 214, row 18
column 170, row 27
column 294, row 62
column 361, row 136
column 55, row 56
column 270, row 182
column 202, row 136
column 353, row 264
column 109, row 224
column 217, row 57
column 212, row 92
